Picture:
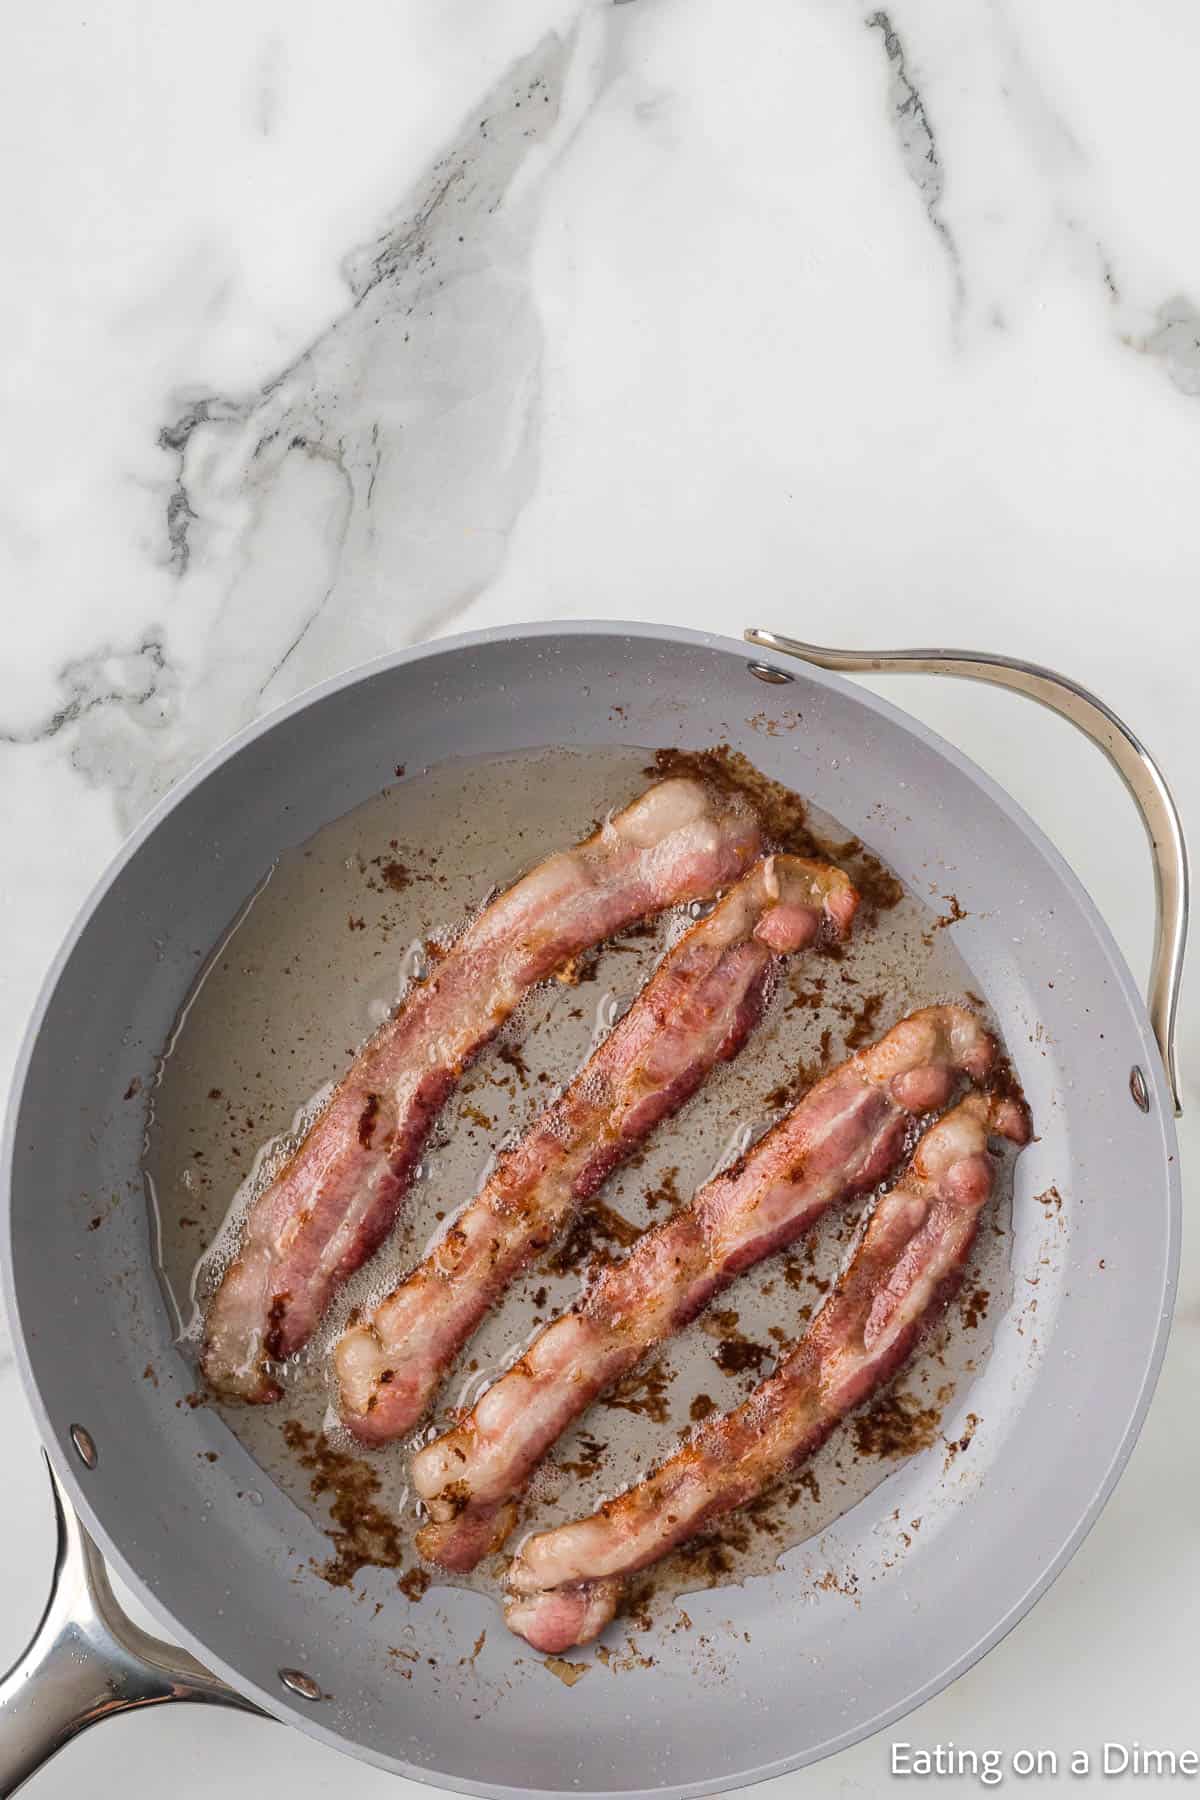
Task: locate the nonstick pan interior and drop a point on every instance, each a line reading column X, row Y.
column 853, row 1628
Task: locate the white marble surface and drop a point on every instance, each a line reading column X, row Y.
column 869, row 327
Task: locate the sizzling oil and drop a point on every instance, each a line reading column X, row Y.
column 317, row 959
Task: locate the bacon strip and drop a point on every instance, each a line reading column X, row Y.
column 848, row 1132
column 567, row 1582
column 697, row 1009
column 337, row 1198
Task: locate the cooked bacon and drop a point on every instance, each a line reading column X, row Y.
column 848, row 1132
column 337, row 1198
column 696, row 1010
column 568, row 1581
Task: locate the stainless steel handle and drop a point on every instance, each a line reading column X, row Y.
column 1127, row 754
column 87, row 1661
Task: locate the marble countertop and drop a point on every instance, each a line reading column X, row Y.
column 328, row 330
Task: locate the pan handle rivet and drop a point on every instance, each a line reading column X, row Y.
column 301, row 1684
column 768, row 672
column 85, row 1446
column 1139, row 1090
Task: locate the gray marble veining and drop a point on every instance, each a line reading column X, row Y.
column 366, row 492
column 917, row 142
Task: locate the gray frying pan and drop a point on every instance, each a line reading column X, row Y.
column 805, row 1668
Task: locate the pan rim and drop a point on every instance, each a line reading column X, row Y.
column 665, row 636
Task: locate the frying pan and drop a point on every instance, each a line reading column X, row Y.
column 795, row 1666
